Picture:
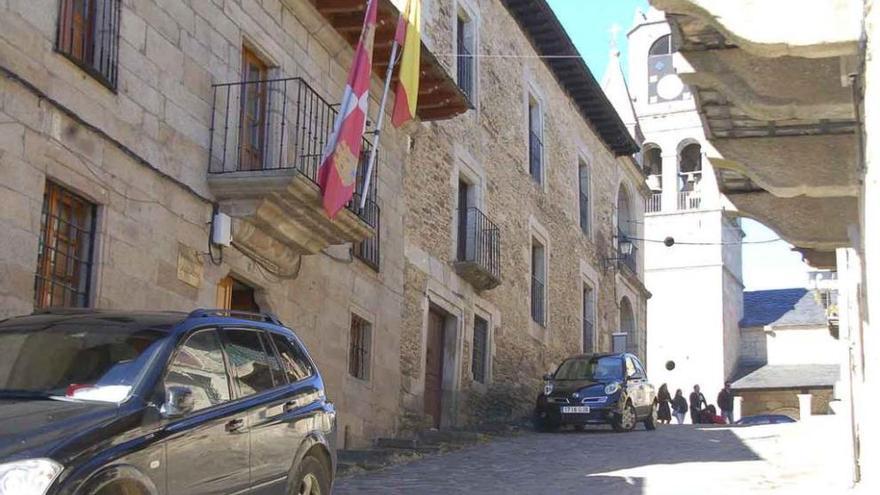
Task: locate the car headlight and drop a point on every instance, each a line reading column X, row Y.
column 28, row 477
column 548, row 388
column 612, row 388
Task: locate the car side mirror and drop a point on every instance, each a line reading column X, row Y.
column 179, row 401
column 548, row 377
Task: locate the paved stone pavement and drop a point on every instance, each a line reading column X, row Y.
column 779, row 459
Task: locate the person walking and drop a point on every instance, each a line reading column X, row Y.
column 698, row 402
column 663, row 401
column 725, row 403
column 679, row 406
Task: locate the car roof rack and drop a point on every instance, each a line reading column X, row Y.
column 246, row 315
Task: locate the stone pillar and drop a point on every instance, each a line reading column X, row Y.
column 805, row 401
column 737, row 407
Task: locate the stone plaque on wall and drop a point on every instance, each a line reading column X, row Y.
column 189, row 266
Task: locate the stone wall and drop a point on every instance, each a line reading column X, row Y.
column 784, row 402
column 140, row 153
column 488, row 148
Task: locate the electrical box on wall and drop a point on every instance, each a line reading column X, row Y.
column 221, row 233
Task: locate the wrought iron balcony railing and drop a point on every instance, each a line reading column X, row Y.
column 479, row 249
column 628, row 260
column 278, row 124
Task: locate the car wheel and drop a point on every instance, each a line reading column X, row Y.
column 651, row 420
column 626, row 420
column 311, row 478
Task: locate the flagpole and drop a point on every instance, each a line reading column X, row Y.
column 379, row 120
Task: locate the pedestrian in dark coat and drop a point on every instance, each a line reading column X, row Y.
column 679, row 406
column 698, row 402
column 664, row 416
column 725, row 403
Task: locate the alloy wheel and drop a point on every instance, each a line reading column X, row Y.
column 309, row 485
column 628, row 420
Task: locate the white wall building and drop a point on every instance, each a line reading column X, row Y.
column 694, row 313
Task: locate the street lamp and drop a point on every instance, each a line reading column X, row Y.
column 624, row 248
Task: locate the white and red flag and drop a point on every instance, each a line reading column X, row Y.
column 339, row 163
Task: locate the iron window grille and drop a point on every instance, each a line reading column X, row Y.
column 369, row 250
column 479, row 241
column 537, row 300
column 584, row 203
column 589, row 318
column 536, row 151
column 480, row 349
column 359, row 348
column 65, row 250
column 88, row 34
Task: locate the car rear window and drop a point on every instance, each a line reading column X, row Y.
column 294, row 360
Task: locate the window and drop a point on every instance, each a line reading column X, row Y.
column 480, row 350
column 690, row 168
column 249, row 362
column 584, row 197
column 618, row 342
column 536, row 144
column 465, row 49
column 627, row 326
column 65, row 250
column 88, row 34
column 368, row 250
column 465, row 201
column 199, row 366
column 359, row 348
column 254, row 99
column 539, row 277
column 589, row 319
column 293, row 359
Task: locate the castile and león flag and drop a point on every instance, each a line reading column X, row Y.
column 338, row 173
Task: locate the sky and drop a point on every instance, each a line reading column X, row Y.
column 589, row 24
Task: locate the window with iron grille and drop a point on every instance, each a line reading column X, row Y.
column 88, row 34
column 368, row 250
column 584, row 197
column 536, row 143
column 539, row 277
column 466, row 55
column 359, row 348
column 480, row 349
column 589, row 319
column 65, row 250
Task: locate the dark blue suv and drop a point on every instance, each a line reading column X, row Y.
column 124, row 403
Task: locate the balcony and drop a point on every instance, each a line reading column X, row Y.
column 440, row 97
column 267, row 138
column 689, row 200
column 654, row 203
column 479, row 250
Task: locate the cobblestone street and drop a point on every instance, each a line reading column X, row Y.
column 791, row 458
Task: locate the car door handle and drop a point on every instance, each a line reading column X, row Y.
column 235, row 425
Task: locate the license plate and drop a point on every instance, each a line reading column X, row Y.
column 575, row 409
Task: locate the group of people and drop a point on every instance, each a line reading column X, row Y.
column 701, row 412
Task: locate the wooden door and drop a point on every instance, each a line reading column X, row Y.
column 254, row 96
column 434, row 367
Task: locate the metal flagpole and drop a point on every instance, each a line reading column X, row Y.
column 379, row 120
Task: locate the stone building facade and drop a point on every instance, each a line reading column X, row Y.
column 115, row 154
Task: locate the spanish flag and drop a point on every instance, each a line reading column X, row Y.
column 407, row 36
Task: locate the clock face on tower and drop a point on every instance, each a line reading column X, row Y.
column 669, row 87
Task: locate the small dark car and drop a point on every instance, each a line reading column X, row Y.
column 764, row 419
column 124, row 403
column 597, row 389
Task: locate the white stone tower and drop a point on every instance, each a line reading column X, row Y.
column 694, row 313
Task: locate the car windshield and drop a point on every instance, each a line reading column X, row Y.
column 597, row 369
column 100, row 360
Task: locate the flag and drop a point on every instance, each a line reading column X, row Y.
column 407, row 35
column 339, row 162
